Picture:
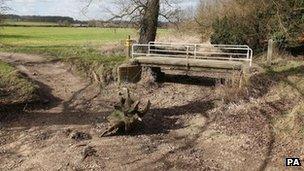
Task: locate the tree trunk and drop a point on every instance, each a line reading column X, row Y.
column 148, row 25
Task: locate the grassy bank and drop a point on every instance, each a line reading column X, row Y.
column 14, row 88
column 288, row 75
column 274, row 98
column 282, row 86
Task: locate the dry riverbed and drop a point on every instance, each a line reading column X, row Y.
column 187, row 127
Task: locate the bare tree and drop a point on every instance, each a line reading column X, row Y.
column 3, row 8
column 146, row 13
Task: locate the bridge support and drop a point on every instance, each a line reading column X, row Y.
column 157, row 73
column 245, row 78
column 129, row 73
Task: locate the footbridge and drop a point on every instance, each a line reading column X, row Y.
column 187, row 56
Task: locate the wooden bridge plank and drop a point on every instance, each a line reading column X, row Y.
column 208, row 63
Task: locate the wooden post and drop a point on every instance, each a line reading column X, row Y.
column 128, row 45
column 269, row 52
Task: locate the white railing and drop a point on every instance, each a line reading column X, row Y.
column 194, row 51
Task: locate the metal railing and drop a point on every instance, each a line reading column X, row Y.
column 194, row 51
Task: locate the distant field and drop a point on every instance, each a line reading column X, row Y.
column 65, row 36
column 62, row 36
column 67, row 43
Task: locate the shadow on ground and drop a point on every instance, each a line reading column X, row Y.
column 188, row 80
column 162, row 120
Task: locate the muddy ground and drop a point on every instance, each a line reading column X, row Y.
column 183, row 130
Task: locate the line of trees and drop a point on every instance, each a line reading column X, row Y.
column 34, row 18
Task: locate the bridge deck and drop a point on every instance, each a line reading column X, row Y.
column 183, row 62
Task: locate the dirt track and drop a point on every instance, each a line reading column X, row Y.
column 183, row 130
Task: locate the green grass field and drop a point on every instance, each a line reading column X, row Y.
column 62, row 36
column 68, row 43
column 65, row 36
column 60, row 42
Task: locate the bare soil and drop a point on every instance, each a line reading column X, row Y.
column 185, row 129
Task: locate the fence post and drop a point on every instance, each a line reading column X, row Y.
column 128, row 45
column 269, row 52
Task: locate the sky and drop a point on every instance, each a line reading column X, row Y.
column 71, row 8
